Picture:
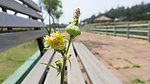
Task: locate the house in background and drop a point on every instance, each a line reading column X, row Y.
column 102, row 19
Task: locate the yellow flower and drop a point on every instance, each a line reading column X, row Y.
column 56, row 41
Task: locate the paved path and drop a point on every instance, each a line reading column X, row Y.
column 123, row 53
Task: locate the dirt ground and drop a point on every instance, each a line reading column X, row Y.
column 127, row 59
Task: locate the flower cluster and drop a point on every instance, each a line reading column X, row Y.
column 56, row 41
column 76, row 14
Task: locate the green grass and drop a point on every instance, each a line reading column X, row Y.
column 108, row 62
column 148, row 80
column 13, row 58
column 118, row 67
column 135, row 57
column 137, row 80
column 136, row 66
column 95, row 52
column 110, row 59
column 126, row 67
column 125, row 59
column 118, row 58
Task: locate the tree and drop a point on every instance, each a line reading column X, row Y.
column 51, row 6
column 134, row 13
column 58, row 14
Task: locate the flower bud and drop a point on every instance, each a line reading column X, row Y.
column 73, row 30
column 58, row 63
column 76, row 14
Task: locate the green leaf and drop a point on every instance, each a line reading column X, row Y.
column 49, row 65
column 69, row 62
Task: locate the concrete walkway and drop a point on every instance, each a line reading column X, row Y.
column 120, row 54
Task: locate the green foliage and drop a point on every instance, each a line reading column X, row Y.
column 135, row 57
column 57, row 14
column 136, row 66
column 109, row 58
column 118, row 58
column 50, row 5
column 49, row 65
column 13, row 58
column 108, row 62
column 96, row 53
column 148, row 79
column 118, row 67
column 126, row 67
column 127, row 60
column 134, row 13
column 137, row 80
column 53, row 8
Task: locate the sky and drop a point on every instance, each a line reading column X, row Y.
column 90, row 7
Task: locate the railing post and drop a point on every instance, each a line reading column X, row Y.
column 148, row 32
column 95, row 29
column 100, row 28
column 87, row 29
column 106, row 29
column 92, row 29
column 128, row 32
column 114, row 30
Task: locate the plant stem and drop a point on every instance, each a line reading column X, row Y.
column 63, row 70
column 64, row 61
column 71, row 37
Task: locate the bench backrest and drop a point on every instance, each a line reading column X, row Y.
column 25, row 7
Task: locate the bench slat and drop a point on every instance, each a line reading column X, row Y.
column 52, row 77
column 15, row 6
column 31, row 4
column 7, row 20
column 38, row 72
column 74, row 72
column 8, row 40
column 96, row 71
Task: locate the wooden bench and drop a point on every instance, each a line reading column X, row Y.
column 32, row 71
column 96, row 71
column 28, row 8
column 32, row 21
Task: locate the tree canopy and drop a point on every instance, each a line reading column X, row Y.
column 134, row 13
column 53, row 8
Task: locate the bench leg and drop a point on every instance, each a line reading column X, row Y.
column 40, row 43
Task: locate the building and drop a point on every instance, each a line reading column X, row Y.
column 102, row 19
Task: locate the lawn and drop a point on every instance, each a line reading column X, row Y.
column 13, row 58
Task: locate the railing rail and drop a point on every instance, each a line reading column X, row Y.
column 129, row 30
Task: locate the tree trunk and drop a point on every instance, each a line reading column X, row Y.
column 49, row 24
column 54, row 26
